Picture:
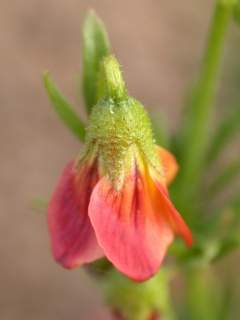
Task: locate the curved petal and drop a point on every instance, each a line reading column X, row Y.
column 162, row 203
column 72, row 236
column 169, row 163
column 133, row 235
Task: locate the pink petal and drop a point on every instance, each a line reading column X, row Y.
column 133, row 236
column 72, row 236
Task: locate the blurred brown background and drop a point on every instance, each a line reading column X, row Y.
column 159, row 45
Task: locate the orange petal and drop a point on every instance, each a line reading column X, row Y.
column 163, row 205
column 168, row 162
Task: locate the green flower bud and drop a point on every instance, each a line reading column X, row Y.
column 119, row 126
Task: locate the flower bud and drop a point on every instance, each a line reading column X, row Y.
column 113, row 200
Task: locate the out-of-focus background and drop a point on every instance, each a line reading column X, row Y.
column 159, row 44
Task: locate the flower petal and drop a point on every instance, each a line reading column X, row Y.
column 169, row 163
column 72, row 236
column 161, row 202
column 133, row 236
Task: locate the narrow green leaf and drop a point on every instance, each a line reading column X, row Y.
column 95, row 47
column 225, row 132
column 63, row 108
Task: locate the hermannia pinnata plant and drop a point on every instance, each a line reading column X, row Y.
column 111, row 209
column 113, row 199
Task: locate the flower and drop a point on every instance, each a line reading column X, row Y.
column 113, row 200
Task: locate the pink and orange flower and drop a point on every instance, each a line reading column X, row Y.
column 114, row 201
column 133, row 227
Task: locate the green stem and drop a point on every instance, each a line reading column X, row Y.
column 196, row 127
column 202, row 294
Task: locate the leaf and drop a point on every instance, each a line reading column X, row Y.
column 225, row 132
column 63, row 108
column 95, row 48
column 228, row 175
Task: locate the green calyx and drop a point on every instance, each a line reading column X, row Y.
column 119, row 127
column 110, row 82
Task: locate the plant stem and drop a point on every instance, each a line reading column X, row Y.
column 202, row 294
column 196, row 125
